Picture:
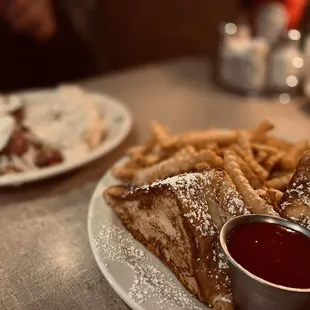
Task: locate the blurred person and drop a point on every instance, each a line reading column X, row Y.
column 35, row 18
column 39, row 45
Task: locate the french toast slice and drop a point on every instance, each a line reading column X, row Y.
column 178, row 219
column 295, row 203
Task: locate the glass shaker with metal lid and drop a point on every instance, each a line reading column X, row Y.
column 286, row 64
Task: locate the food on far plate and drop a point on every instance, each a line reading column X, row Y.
column 46, row 157
column 67, row 118
column 60, row 125
column 177, row 191
column 20, row 150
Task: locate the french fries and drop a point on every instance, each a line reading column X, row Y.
column 259, row 164
column 261, row 130
column 292, row 157
column 255, row 203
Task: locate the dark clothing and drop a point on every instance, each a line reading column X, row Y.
column 26, row 63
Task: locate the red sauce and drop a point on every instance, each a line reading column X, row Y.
column 272, row 252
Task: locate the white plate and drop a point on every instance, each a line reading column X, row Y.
column 137, row 276
column 119, row 123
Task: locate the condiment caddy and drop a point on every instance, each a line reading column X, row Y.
column 262, row 54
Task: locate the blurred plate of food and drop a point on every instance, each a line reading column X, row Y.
column 49, row 132
column 156, row 215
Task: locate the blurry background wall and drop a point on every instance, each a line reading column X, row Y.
column 140, row 31
column 98, row 36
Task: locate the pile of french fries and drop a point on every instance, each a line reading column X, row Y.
column 259, row 164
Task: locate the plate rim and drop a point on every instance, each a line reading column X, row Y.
column 107, row 275
column 105, row 148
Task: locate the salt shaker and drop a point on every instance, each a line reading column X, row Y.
column 243, row 60
column 254, row 66
column 233, row 47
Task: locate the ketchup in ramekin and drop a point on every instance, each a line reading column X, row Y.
column 272, row 252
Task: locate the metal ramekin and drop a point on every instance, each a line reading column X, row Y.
column 253, row 293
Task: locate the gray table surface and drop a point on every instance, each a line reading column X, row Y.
column 45, row 257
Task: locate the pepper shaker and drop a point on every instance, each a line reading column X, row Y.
column 286, row 63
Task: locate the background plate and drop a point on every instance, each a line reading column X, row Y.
column 118, row 120
column 137, row 276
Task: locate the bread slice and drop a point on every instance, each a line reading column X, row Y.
column 178, row 220
column 295, row 203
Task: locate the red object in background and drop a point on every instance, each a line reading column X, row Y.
column 295, row 9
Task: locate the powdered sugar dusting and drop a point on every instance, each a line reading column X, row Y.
column 189, row 188
column 117, row 245
column 232, row 202
column 223, row 298
column 301, row 191
column 187, row 181
column 222, row 261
